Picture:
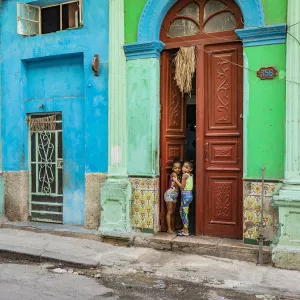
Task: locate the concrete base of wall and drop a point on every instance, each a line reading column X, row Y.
column 286, row 251
column 93, row 182
column 286, row 257
column 115, row 208
column 2, row 202
column 16, row 195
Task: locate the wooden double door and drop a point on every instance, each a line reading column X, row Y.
column 219, row 136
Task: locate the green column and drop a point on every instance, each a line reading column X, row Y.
column 116, row 191
column 2, row 204
column 143, row 123
column 286, row 252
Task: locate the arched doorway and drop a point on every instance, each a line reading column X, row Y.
column 218, row 108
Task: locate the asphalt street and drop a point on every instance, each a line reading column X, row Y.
column 32, row 281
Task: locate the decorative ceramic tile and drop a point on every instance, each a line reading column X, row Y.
column 252, row 210
column 146, row 184
column 144, row 202
column 269, row 188
column 249, row 203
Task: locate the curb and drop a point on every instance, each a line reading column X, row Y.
column 36, row 255
column 87, row 236
column 217, row 248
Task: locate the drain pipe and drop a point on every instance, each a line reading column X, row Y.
column 260, row 237
column 2, row 212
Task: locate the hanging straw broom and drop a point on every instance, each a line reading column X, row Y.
column 185, row 67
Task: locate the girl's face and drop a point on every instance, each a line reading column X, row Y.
column 186, row 168
column 177, row 168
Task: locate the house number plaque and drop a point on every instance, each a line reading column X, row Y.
column 266, row 73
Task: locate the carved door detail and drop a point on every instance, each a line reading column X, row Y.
column 223, row 96
column 173, row 127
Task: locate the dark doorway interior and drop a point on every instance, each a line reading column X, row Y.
column 190, row 154
column 191, row 148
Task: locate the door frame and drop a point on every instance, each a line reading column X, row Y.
column 58, row 165
column 200, row 122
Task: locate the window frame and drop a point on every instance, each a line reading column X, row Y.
column 40, row 8
column 19, row 19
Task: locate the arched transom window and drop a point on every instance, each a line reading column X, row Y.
column 195, row 18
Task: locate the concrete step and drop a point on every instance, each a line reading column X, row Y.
column 203, row 245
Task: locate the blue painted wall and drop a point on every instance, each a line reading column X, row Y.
column 55, row 70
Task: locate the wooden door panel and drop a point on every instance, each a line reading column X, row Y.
column 221, row 94
column 174, row 149
column 223, row 153
column 173, row 127
column 221, row 216
column 223, row 99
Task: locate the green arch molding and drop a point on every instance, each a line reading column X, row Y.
column 155, row 11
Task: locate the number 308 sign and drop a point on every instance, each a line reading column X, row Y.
column 266, row 73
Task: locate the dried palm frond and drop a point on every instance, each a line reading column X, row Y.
column 185, row 67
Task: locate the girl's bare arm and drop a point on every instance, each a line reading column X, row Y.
column 183, row 183
column 173, row 175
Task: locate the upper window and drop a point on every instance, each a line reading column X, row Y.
column 34, row 20
column 195, row 17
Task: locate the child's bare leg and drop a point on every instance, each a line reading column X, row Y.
column 169, row 216
column 173, row 216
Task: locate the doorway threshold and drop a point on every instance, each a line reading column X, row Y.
column 204, row 245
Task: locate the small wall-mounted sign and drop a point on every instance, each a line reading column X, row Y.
column 267, row 73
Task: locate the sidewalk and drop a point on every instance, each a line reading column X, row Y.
column 200, row 245
column 211, row 271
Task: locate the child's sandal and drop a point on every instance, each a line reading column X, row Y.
column 182, row 234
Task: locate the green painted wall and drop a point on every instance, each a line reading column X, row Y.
column 266, row 113
column 275, row 11
column 143, row 116
column 133, row 10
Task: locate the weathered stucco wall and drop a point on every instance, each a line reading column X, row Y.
column 143, row 116
column 92, row 199
column 266, row 113
column 54, row 70
column 2, row 202
column 133, row 11
column 16, row 195
column 275, row 11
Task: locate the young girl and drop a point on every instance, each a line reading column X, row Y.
column 171, row 194
column 186, row 187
